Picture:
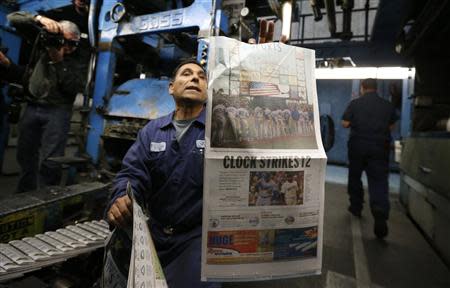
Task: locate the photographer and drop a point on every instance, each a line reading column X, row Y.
column 77, row 13
column 52, row 84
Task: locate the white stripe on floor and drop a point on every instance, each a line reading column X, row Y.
column 337, row 280
column 362, row 274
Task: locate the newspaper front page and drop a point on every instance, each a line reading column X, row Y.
column 264, row 164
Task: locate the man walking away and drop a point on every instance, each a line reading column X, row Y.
column 370, row 119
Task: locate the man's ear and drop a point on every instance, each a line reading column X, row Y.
column 171, row 88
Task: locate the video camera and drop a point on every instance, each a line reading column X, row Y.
column 55, row 40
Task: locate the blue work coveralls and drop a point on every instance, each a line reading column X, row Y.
column 368, row 150
column 167, row 179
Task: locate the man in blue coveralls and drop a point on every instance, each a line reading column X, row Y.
column 165, row 169
column 370, row 119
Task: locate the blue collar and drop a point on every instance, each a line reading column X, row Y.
column 166, row 121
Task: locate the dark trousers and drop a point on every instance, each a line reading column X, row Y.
column 184, row 271
column 374, row 159
column 43, row 134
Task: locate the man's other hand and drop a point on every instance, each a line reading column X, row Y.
column 266, row 31
column 120, row 213
column 4, row 61
column 50, row 25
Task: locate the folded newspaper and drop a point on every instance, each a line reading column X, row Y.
column 263, row 195
column 145, row 269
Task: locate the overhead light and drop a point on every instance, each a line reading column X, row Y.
column 365, row 72
column 286, row 12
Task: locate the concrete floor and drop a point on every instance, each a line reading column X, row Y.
column 352, row 256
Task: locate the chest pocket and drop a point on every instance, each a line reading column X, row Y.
column 198, row 150
column 158, row 162
column 196, row 161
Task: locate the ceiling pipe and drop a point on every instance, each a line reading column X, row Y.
column 331, row 16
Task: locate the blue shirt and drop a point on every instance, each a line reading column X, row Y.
column 370, row 117
column 166, row 175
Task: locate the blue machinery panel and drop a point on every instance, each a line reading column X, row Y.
column 150, row 99
column 196, row 15
column 105, row 67
column 34, row 6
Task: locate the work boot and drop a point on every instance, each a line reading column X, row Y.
column 355, row 212
column 380, row 227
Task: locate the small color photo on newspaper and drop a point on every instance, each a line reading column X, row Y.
column 270, row 188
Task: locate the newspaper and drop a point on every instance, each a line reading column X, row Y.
column 264, row 164
column 145, row 269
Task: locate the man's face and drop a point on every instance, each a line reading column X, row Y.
column 189, row 84
column 71, row 38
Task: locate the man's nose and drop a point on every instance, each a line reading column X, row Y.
column 195, row 78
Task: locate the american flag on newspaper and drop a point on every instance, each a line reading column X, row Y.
column 263, row 89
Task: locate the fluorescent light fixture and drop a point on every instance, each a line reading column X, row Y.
column 286, row 13
column 365, row 72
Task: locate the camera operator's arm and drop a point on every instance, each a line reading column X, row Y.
column 4, row 61
column 49, row 24
column 27, row 24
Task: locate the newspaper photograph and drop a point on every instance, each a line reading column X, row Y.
column 264, row 164
column 259, row 101
column 275, row 188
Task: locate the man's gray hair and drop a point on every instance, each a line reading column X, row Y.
column 70, row 27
